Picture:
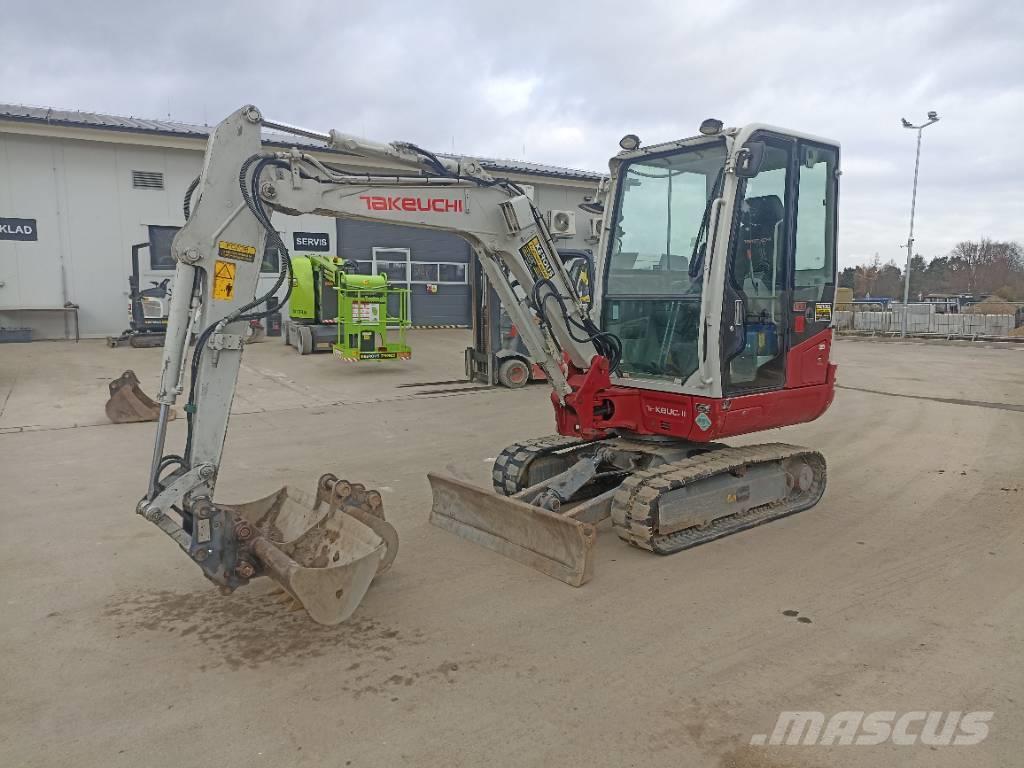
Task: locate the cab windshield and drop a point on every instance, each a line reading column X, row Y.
column 653, row 277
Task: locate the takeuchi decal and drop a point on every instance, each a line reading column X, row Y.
column 430, row 204
column 663, row 410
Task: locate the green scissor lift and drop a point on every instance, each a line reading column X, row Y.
column 362, row 317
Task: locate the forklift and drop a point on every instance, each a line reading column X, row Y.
column 498, row 354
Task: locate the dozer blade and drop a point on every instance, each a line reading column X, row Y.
column 552, row 543
column 128, row 403
column 320, row 550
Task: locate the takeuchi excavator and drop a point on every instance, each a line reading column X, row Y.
column 710, row 317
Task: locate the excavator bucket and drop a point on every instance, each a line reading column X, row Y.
column 323, row 551
column 554, row 543
column 128, row 403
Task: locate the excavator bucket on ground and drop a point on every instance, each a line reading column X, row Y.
column 559, row 544
column 128, row 403
column 325, row 551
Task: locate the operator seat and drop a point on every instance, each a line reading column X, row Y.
column 759, row 221
column 756, row 251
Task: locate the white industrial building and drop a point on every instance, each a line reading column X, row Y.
column 78, row 189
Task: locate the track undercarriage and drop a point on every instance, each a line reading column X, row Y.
column 663, row 496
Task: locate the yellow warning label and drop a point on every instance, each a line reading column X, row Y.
column 236, row 251
column 537, row 259
column 583, row 285
column 224, row 280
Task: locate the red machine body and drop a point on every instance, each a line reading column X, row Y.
column 597, row 407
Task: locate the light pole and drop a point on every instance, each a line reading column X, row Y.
column 933, row 117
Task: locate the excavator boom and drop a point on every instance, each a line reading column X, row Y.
column 324, row 553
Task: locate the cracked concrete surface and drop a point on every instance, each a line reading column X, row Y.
column 114, row 651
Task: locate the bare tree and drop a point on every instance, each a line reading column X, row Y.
column 986, row 265
column 975, row 267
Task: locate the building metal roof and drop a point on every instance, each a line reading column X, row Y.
column 98, row 121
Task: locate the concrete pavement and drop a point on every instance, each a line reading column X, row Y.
column 114, row 651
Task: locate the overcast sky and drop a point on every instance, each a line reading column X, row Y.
column 562, row 82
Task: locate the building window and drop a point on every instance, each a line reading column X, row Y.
column 147, row 180
column 424, row 272
column 397, row 271
column 438, row 272
column 271, row 261
column 160, row 247
column 160, row 239
column 452, row 273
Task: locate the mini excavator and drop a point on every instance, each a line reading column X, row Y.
column 710, row 317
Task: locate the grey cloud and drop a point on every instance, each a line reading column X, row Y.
column 568, row 79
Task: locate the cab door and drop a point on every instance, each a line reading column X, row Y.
column 814, row 264
column 755, row 318
column 780, row 278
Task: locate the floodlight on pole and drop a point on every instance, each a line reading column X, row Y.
column 933, row 117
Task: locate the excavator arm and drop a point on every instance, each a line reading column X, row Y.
column 501, row 224
column 219, row 252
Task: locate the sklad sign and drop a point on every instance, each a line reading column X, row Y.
column 18, row 229
column 312, row 241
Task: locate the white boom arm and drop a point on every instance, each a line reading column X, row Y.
column 220, row 249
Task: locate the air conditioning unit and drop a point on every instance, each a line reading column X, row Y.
column 562, row 223
column 596, row 224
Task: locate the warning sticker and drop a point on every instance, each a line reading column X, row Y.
column 583, row 286
column 365, row 313
column 236, row 251
column 224, row 280
column 823, row 313
column 537, row 259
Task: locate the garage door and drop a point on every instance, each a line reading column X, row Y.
column 432, row 265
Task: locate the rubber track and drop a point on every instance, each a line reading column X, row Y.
column 511, row 465
column 635, row 505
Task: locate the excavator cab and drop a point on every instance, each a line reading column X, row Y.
column 774, row 225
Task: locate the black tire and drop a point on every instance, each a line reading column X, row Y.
column 305, row 340
column 514, row 373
